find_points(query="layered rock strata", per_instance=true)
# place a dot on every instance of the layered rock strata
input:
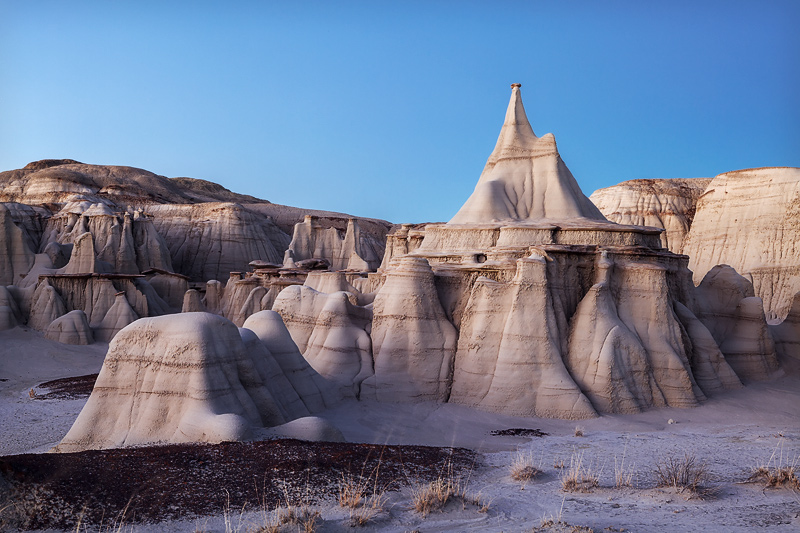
(661, 203)
(186, 378)
(750, 220)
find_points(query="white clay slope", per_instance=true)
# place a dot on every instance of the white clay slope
(525, 178)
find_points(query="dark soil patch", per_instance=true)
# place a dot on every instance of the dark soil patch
(67, 388)
(518, 432)
(185, 480)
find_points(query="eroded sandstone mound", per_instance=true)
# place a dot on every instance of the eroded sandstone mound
(660, 203)
(750, 220)
(189, 377)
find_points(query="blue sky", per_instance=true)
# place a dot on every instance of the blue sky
(390, 109)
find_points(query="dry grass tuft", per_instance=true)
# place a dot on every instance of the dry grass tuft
(579, 477)
(684, 474)
(524, 469)
(435, 495)
(623, 475)
(779, 472)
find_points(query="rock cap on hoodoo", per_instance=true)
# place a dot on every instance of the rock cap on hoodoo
(525, 178)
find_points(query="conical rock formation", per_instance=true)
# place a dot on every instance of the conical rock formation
(525, 178)
(413, 342)
(71, 328)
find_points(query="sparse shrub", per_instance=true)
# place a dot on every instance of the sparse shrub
(351, 491)
(435, 495)
(372, 507)
(579, 477)
(684, 474)
(523, 468)
(778, 472)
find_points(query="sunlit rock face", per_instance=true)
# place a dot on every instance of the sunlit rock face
(750, 220)
(525, 178)
(662, 203)
(191, 377)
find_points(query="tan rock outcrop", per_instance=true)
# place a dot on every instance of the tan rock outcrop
(330, 330)
(16, 256)
(736, 320)
(659, 203)
(524, 178)
(10, 314)
(413, 342)
(192, 302)
(787, 333)
(71, 328)
(750, 220)
(209, 241)
(181, 378)
(503, 363)
(119, 315)
(316, 392)
(46, 306)
(345, 251)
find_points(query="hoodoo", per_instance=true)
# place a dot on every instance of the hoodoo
(558, 311)
(525, 178)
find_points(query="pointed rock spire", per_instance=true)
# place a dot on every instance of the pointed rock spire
(525, 178)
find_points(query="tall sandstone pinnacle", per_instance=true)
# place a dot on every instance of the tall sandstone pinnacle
(525, 178)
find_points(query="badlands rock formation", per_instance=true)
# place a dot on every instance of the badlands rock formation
(747, 219)
(524, 178)
(660, 203)
(557, 312)
(750, 220)
(191, 377)
(73, 235)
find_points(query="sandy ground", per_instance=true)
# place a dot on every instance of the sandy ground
(731, 433)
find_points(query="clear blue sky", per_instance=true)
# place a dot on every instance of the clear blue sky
(390, 109)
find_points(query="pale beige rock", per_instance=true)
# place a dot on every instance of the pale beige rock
(787, 333)
(16, 256)
(71, 328)
(504, 363)
(170, 287)
(208, 241)
(413, 342)
(524, 178)
(316, 392)
(46, 306)
(213, 298)
(83, 259)
(628, 348)
(660, 203)
(736, 319)
(192, 302)
(348, 251)
(182, 378)
(750, 220)
(709, 367)
(10, 314)
(119, 315)
(330, 332)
